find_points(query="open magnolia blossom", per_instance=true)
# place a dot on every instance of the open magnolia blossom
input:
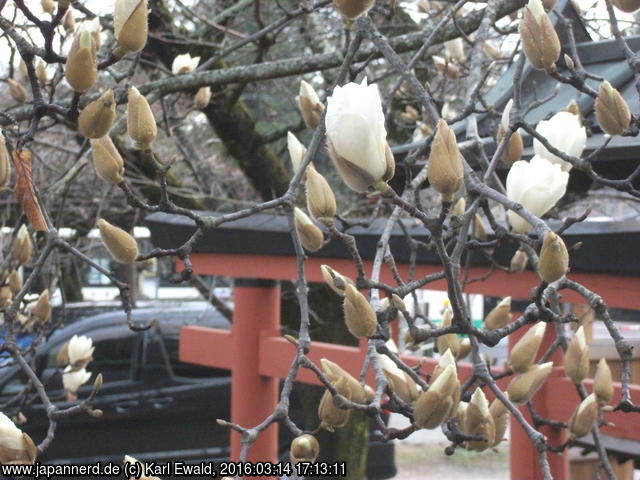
(184, 64)
(563, 131)
(537, 185)
(16, 447)
(356, 135)
(80, 349)
(74, 379)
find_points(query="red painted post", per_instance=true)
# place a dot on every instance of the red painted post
(253, 397)
(523, 458)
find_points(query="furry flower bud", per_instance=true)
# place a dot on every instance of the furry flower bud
(107, 160)
(5, 164)
(310, 105)
(297, 152)
(15, 282)
(500, 315)
(402, 385)
(603, 383)
(519, 262)
(334, 372)
(478, 421)
(352, 9)
(336, 281)
(304, 448)
(122, 246)
(584, 418)
(627, 5)
(331, 416)
(554, 258)
(359, 315)
(576, 360)
(141, 124)
(500, 415)
(202, 98)
(321, 202)
(612, 110)
(130, 24)
(448, 341)
(523, 387)
(48, 6)
(96, 119)
(22, 246)
(17, 91)
(524, 352)
(42, 308)
(81, 70)
(440, 402)
(41, 73)
(444, 171)
(445, 360)
(310, 235)
(539, 39)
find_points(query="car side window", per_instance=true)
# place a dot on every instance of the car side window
(189, 370)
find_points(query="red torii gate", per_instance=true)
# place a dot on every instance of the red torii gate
(258, 356)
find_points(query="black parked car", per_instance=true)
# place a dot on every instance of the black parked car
(155, 408)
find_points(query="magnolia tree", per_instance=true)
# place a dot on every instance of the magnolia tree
(120, 87)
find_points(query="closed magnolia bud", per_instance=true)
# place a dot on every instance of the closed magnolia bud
(22, 246)
(440, 402)
(16, 447)
(500, 315)
(525, 350)
(402, 385)
(330, 415)
(297, 151)
(310, 105)
(63, 355)
(107, 160)
(24, 72)
(336, 281)
(17, 91)
(6, 297)
(5, 165)
(42, 309)
(444, 361)
(523, 387)
(539, 39)
(130, 24)
(320, 199)
(584, 418)
(69, 22)
(500, 415)
(491, 51)
(478, 421)
(448, 68)
(398, 303)
(15, 282)
(445, 165)
(141, 124)
(122, 246)
(352, 9)
(359, 315)
(304, 448)
(96, 119)
(576, 359)
(202, 98)
(514, 148)
(459, 207)
(554, 258)
(465, 348)
(81, 70)
(48, 6)
(519, 262)
(603, 383)
(41, 73)
(410, 114)
(448, 341)
(612, 110)
(627, 5)
(310, 236)
(479, 230)
(573, 108)
(334, 372)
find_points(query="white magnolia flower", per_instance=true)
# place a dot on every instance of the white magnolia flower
(72, 380)
(184, 64)
(357, 137)
(565, 133)
(537, 186)
(454, 49)
(80, 349)
(10, 435)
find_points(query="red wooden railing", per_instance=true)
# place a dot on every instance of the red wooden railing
(258, 356)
